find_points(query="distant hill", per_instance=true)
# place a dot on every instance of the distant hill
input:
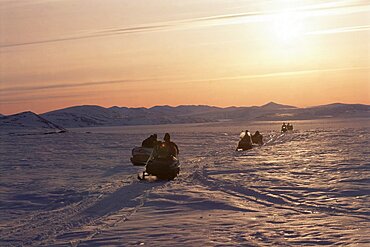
(27, 122)
(275, 106)
(90, 115)
(86, 116)
(94, 116)
(336, 110)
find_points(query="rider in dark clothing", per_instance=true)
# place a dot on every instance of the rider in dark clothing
(174, 149)
(284, 128)
(257, 138)
(147, 142)
(166, 149)
(150, 142)
(246, 142)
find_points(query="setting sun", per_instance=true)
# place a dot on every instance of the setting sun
(288, 27)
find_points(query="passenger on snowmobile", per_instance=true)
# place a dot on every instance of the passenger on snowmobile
(150, 142)
(257, 138)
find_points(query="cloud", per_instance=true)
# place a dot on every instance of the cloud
(18, 90)
(30, 99)
(105, 33)
(64, 85)
(331, 8)
(278, 74)
(340, 30)
(7, 4)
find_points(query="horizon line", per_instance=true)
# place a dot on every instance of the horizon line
(174, 106)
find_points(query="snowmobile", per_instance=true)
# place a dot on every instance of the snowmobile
(164, 169)
(243, 145)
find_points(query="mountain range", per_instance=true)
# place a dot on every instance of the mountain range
(93, 116)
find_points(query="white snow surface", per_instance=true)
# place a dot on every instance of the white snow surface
(303, 188)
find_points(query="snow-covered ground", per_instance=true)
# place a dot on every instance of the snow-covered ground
(309, 187)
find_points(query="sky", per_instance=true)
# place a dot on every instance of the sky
(141, 53)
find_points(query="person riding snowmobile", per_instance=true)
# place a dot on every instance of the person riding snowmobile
(257, 138)
(284, 128)
(166, 149)
(246, 142)
(163, 162)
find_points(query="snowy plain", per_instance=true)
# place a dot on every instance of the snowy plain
(309, 187)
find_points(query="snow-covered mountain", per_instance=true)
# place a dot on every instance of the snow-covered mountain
(336, 110)
(27, 122)
(276, 106)
(247, 113)
(339, 110)
(90, 115)
(85, 116)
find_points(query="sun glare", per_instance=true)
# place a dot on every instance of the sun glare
(287, 27)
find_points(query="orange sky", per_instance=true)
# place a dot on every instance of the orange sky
(59, 53)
